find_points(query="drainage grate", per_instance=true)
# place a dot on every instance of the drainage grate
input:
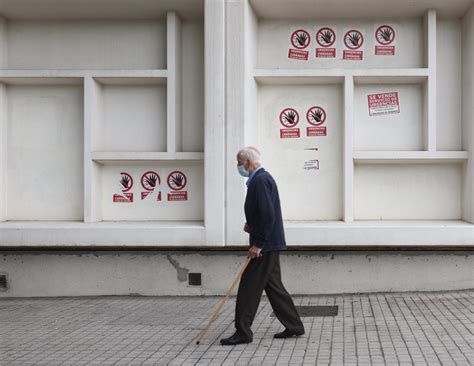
(313, 311)
(3, 281)
(194, 279)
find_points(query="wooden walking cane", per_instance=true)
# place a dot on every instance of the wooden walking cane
(223, 301)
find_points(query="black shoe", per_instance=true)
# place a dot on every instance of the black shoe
(233, 340)
(286, 334)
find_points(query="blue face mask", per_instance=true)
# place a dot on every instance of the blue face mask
(242, 171)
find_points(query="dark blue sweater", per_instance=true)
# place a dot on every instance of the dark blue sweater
(263, 213)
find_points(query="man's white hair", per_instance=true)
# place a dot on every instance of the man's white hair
(249, 153)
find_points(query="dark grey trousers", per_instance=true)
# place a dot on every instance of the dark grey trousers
(264, 273)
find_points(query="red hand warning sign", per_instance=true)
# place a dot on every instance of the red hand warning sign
(126, 184)
(325, 37)
(383, 103)
(300, 40)
(150, 180)
(289, 118)
(177, 181)
(316, 116)
(353, 40)
(385, 36)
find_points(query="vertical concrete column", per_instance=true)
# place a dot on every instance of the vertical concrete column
(3, 43)
(174, 85)
(214, 121)
(3, 122)
(92, 115)
(235, 116)
(468, 114)
(3, 152)
(429, 129)
(348, 149)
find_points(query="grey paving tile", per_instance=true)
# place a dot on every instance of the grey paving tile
(370, 329)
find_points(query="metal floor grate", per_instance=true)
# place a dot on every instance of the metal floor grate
(316, 310)
(3, 281)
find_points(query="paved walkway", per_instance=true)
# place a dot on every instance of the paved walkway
(374, 329)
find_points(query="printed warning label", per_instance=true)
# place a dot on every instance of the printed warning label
(300, 40)
(126, 184)
(146, 194)
(352, 55)
(353, 40)
(316, 131)
(316, 115)
(178, 196)
(383, 103)
(311, 165)
(325, 52)
(385, 50)
(289, 118)
(298, 54)
(385, 37)
(325, 37)
(125, 197)
(150, 180)
(289, 133)
(177, 181)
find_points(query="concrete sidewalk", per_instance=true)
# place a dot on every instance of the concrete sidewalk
(370, 329)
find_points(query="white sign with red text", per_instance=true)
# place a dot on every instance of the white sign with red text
(383, 103)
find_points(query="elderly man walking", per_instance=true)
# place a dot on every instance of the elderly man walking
(267, 238)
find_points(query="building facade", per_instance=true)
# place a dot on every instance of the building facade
(119, 127)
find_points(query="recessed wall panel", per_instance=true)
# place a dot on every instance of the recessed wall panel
(407, 192)
(307, 169)
(381, 123)
(88, 44)
(45, 152)
(274, 41)
(143, 191)
(134, 118)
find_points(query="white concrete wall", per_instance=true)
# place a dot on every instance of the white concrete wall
(193, 82)
(409, 192)
(149, 208)
(45, 156)
(307, 195)
(187, 89)
(274, 41)
(165, 273)
(449, 77)
(134, 118)
(398, 131)
(86, 45)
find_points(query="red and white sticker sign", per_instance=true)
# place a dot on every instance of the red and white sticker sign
(289, 118)
(177, 181)
(126, 184)
(300, 40)
(316, 131)
(353, 40)
(385, 37)
(150, 181)
(325, 37)
(316, 116)
(383, 103)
